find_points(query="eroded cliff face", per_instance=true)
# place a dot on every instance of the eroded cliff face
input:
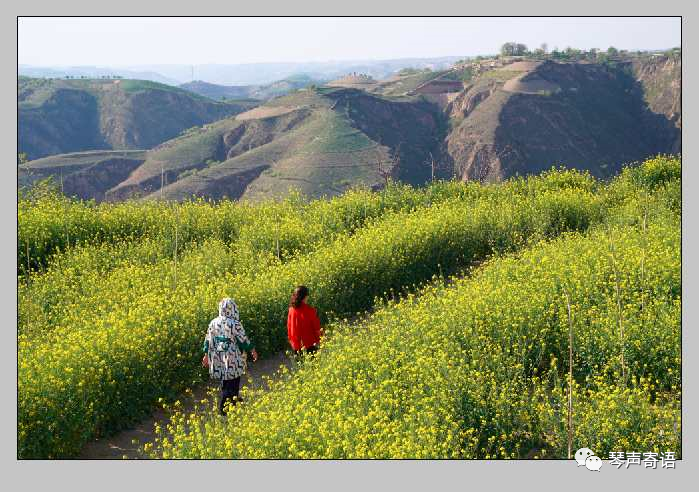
(660, 78)
(588, 116)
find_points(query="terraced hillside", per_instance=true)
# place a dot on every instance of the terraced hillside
(61, 116)
(320, 141)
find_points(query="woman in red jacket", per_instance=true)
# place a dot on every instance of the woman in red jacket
(303, 325)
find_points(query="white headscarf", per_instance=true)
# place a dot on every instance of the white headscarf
(227, 308)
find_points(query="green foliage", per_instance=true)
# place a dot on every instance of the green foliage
(513, 49)
(50, 223)
(120, 293)
(120, 321)
(478, 369)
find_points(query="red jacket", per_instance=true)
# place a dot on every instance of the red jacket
(303, 326)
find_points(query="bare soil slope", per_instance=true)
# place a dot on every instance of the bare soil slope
(586, 116)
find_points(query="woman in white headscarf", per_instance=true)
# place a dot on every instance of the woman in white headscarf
(224, 345)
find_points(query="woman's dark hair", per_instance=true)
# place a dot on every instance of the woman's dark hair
(300, 293)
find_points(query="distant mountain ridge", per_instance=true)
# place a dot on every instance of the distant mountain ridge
(246, 73)
(92, 73)
(260, 92)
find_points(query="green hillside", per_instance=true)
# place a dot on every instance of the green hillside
(70, 115)
(320, 141)
(257, 92)
(67, 170)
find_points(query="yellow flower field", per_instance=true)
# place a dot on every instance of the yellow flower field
(113, 321)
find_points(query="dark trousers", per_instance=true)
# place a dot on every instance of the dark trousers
(229, 391)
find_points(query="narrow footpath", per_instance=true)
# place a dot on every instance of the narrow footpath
(121, 445)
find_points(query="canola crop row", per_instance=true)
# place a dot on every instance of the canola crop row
(479, 369)
(275, 233)
(138, 338)
(50, 225)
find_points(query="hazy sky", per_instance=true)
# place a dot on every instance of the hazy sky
(142, 41)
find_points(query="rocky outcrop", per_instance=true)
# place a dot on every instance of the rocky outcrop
(470, 98)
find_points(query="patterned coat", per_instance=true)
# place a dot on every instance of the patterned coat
(225, 341)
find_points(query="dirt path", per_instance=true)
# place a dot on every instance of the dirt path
(120, 445)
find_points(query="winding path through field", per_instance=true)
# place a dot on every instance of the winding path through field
(120, 445)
